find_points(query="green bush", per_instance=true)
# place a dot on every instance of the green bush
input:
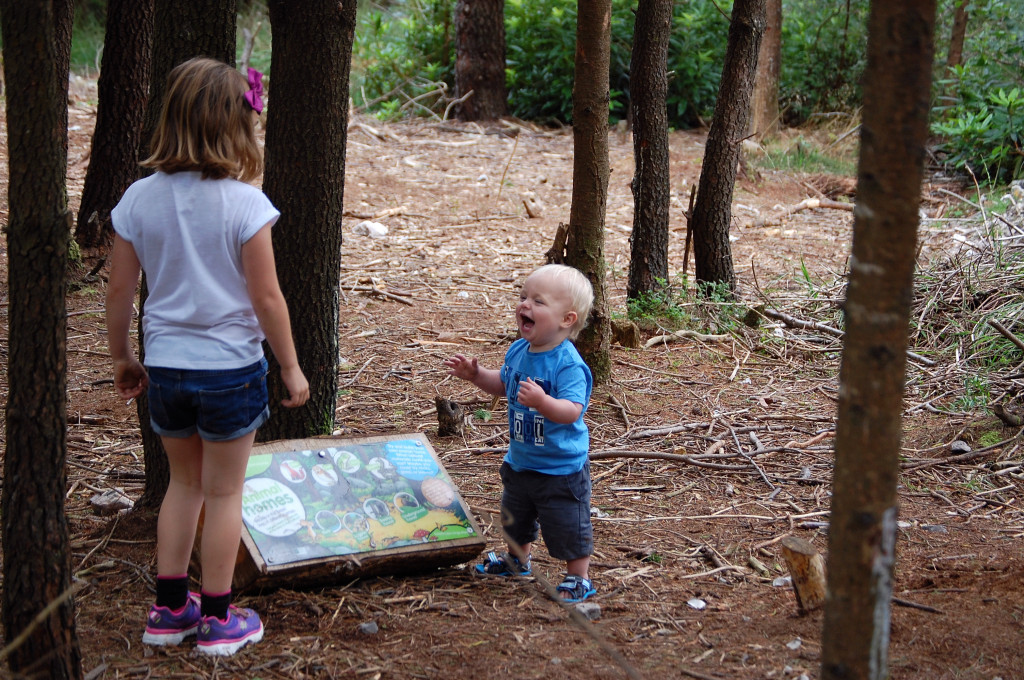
(824, 49)
(978, 116)
(404, 50)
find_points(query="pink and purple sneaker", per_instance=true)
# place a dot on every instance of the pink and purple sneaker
(171, 626)
(224, 637)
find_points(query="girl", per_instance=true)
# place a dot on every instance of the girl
(202, 236)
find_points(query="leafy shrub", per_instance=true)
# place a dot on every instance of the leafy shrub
(404, 50)
(824, 50)
(979, 110)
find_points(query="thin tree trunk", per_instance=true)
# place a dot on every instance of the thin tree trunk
(37, 553)
(585, 240)
(305, 167)
(648, 78)
(712, 212)
(764, 107)
(123, 89)
(480, 59)
(862, 534)
(955, 55)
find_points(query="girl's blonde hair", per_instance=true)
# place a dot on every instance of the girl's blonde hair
(206, 124)
(578, 288)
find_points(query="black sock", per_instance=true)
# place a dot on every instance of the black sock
(171, 591)
(215, 605)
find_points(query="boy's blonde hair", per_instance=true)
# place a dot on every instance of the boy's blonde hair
(206, 124)
(577, 285)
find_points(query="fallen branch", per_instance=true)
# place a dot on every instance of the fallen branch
(677, 335)
(794, 322)
(806, 204)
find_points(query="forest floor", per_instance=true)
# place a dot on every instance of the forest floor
(688, 565)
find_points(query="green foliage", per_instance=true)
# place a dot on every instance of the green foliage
(87, 37)
(804, 155)
(403, 57)
(979, 109)
(824, 50)
(406, 51)
(707, 308)
(986, 136)
(482, 414)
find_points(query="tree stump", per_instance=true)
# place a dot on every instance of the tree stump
(450, 418)
(807, 569)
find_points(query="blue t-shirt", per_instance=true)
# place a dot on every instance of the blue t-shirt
(536, 443)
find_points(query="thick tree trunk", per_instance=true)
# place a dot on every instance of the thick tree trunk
(764, 107)
(123, 89)
(862, 534)
(182, 29)
(480, 59)
(305, 167)
(712, 212)
(584, 248)
(37, 564)
(648, 79)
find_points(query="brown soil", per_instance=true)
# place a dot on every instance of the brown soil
(459, 243)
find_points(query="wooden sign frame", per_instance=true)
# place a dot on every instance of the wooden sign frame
(326, 510)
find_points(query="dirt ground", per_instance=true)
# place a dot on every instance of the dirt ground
(687, 561)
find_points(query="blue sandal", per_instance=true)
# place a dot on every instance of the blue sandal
(503, 565)
(577, 588)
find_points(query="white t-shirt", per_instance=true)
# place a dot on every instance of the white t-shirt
(188, 234)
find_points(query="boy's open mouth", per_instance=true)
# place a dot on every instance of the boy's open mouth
(526, 322)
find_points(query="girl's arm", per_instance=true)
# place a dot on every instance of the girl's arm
(272, 312)
(130, 377)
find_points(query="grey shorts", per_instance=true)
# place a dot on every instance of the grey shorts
(556, 505)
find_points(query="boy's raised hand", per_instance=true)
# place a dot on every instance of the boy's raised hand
(530, 393)
(462, 367)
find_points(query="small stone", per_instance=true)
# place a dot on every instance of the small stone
(369, 628)
(109, 502)
(591, 610)
(935, 528)
(959, 446)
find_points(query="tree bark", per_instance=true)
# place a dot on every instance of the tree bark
(305, 167)
(584, 248)
(182, 29)
(480, 59)
(764, 108)
(712, 212)
(862, 532)
(648, 78)
(955, 55)
(123, 89)
(37, 564)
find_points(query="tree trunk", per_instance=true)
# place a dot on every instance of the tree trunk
(480, 59)
(712, 212)
(123, 86)
(764, 108)
(182, 29)
(862, 534)
(648, 90)
(955, 55)
(584, 247)
(37, 564)
(305, 167)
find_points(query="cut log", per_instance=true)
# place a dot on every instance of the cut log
(807, 569)
(451, 421)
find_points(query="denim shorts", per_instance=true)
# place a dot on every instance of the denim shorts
(219, 405)
(557, 505)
